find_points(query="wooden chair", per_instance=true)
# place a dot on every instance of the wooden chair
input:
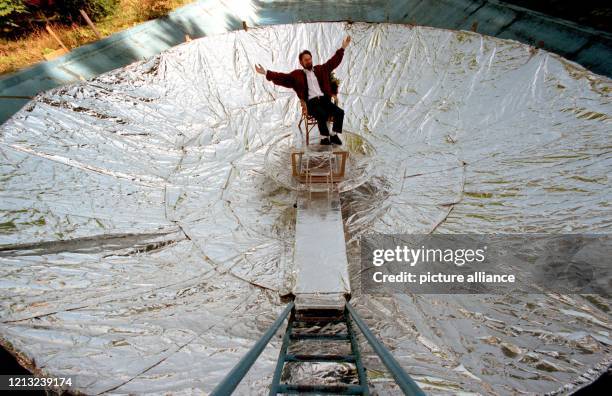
(308, 120)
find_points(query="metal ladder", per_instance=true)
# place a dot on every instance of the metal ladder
(349, 316)
(348, 336)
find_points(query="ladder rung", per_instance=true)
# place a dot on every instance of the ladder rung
(342, 389)
(320, 358)
(319, 320)
(315, 336)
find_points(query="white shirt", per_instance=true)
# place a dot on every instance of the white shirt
(313, 84)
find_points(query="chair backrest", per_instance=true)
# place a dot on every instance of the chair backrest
(304, 107)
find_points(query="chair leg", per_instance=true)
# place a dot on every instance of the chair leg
(300, 127)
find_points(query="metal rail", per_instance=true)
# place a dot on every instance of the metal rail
(407, 384)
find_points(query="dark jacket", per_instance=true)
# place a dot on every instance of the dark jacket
(297, 78)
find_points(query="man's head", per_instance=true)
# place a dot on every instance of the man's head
(306, 59)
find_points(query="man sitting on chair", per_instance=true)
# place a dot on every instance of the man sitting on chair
(312, 84)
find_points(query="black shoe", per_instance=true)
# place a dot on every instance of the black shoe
(325, 142)
(336, 140)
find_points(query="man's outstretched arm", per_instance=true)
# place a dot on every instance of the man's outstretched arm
(335, 60)
(282, 79)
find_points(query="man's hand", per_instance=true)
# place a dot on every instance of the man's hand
(260, 69)
(346, 41)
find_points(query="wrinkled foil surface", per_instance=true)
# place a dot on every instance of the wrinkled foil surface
(144, 246)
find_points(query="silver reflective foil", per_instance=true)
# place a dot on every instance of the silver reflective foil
(144, 245)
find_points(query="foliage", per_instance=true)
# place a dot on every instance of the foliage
(8, 7)
(95, 9)
(150, 9)
(18, 17)
(26, 41)
(11, 11)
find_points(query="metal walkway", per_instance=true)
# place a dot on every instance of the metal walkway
(320, 265)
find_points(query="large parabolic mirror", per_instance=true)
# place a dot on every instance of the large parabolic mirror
(143, 246)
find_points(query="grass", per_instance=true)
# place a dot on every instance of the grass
(28, 50)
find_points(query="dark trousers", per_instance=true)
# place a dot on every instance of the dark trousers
(321, 108)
